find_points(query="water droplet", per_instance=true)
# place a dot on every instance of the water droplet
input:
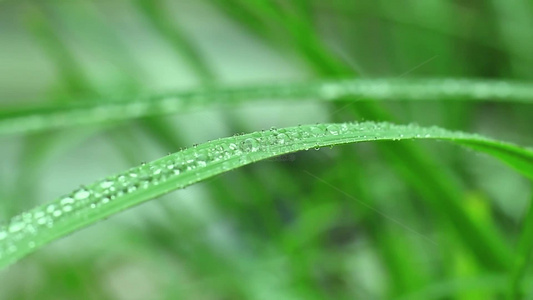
(16, 226)
(38, 215)
(282, 138)
(3, 235)
(66, 201)
(333, 129)
(316, 130)
(57, 213)
(50, 208)
(106, 184)
(81, 194)
(250, 145)
(146, 182)
(67, 208)
(201, 159)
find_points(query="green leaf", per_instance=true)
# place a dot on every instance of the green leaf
(31, 230)
(97, 111)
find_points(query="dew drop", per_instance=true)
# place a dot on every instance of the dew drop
(106, 184)
(81, 194)
(317, 131)
(66, 201)
(202, 159)
(67, 208)
(250, 145)
(38, 215)
(16, 226)
(333, 129)
(50, 208)
(57, 213)
(282, 138)
(146, 183)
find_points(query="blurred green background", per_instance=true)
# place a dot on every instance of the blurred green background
(362, 221)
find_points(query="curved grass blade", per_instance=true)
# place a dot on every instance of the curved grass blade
(45, 117)
(31, 230)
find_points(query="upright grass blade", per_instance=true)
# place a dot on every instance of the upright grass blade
(522, 257)
(31, 230)
(52, 116)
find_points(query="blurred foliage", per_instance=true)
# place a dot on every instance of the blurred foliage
(286, 228)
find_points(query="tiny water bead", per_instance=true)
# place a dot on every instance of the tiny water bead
(16, 226)
(67, 200)
(333, 129)
(250, 145)
(51, 208)
(38, 214)
(81, 194)
(106, 184)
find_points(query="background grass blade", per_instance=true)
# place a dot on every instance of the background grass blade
(30, 230)
(522, 257)
(38, 118)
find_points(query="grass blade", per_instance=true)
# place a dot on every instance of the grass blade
(53, 116)
(31, 230)
(522, 256)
